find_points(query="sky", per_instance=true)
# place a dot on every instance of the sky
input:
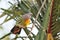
(9, 25)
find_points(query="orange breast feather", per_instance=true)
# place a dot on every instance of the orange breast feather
(27, 22)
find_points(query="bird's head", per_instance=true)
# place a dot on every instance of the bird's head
(27, 16)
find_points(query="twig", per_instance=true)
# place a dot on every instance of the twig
(5, 36)
(24, 37)
(40, 9)
(38, 13)
(15, 37)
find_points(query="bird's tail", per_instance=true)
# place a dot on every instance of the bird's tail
(16, 30)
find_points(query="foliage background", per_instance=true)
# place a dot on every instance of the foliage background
(40, 18)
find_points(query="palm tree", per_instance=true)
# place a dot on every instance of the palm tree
(45, 13)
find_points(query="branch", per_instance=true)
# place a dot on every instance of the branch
(24, 37)
(5, 36)
(39, 13)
